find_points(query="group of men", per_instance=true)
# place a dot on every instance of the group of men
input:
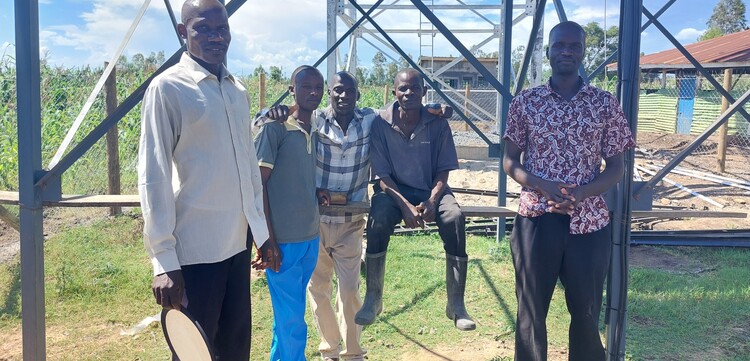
(209, 191)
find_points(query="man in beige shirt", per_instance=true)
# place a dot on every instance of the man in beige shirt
(196, 124)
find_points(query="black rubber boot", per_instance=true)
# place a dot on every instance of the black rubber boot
(455, 283)
(373, 304)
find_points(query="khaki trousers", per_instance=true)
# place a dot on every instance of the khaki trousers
(340, 250)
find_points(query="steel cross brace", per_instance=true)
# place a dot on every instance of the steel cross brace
(126, 106)
(616, 52)
(494, 147)
(538, 14)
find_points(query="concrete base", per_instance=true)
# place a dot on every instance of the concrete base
(473, 152)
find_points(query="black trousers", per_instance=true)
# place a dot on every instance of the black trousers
(219, 299)
(543, 251)
(385, 215)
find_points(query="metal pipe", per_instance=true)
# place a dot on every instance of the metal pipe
(682, 187)
(704, 177)
(628, 92)
(504, 105)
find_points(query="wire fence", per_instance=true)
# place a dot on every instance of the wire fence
(674, 110)
(669, 119)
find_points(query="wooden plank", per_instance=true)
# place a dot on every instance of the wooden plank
(7, 197)
(132, 200)
(106, 200)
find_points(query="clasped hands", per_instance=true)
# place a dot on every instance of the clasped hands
(562, 198)
(417, 216)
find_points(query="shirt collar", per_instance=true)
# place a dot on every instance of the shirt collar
(198, 73)
(387, 114)
(586, 89)
(292, 124)
(330, 118)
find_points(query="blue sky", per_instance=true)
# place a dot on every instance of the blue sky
(78, 32)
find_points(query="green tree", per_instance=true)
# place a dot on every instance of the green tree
(379, 71)
(728, 17)
(276, 73)
(599, 45)
(711, 33)
(258, 71)
(393, 69)
(361, 75)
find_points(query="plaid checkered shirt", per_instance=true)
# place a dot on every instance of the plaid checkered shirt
(343, 163)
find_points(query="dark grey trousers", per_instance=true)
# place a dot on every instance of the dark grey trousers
(543, 251)
(385, 215)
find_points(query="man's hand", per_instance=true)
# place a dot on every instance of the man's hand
(412, 216)
(279, 113)
(440, 110)
(324, 196)
(169, 289)
(268, 256)
(427, 210)
(569, 201)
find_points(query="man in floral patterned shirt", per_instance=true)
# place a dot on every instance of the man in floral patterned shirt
(564, 129)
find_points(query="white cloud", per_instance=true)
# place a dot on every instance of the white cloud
(689, 35)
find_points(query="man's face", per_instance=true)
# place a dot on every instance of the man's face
(409, 90)
(207, 35)
(566, 50)
(343, 94)
(308, 89)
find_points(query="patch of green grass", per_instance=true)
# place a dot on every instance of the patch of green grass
(98, 283)
(696, 316)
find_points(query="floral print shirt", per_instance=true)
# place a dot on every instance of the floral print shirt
(565, 141)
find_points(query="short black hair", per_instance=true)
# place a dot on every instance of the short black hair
(569, 25)
(300, 69)
(409, 71)
(346, 74)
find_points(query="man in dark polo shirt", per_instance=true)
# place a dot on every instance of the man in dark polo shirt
(411, 154)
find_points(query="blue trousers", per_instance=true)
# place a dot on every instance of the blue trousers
(288, 289)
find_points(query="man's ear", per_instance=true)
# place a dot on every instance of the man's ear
(291, 89)
(393, 92)
(546, 51)
(358, 95)
(182, 30)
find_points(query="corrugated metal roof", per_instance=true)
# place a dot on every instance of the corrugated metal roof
(728, 51)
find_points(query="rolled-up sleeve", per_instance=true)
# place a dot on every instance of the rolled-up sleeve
(158, 138)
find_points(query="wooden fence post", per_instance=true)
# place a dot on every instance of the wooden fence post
(467, 93)
(385, 95)
(722, 146)
(113, 148)
(262, 90)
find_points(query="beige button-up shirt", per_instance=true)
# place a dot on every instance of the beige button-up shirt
(196, 129)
